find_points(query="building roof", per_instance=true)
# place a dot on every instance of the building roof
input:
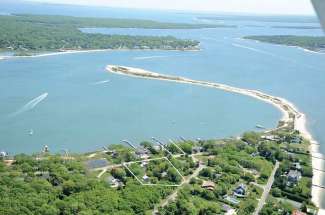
(208, 184)
(294, 175)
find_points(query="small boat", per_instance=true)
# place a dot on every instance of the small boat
(260, 127)
(31, 132)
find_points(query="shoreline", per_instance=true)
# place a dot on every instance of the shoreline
(291, 116)
(90, 51)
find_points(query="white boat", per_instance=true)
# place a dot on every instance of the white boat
(31, 132)
(260, 126)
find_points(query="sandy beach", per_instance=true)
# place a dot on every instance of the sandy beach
(88, 51)
(291, 115)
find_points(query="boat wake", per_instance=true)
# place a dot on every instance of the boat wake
(253, 49)
(100, 82)
(30, 105)
(151, 57)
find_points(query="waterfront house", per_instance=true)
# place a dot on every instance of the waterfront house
(271, 138)
(295, 140)
(197, 149)
(3, 154)
(142, 154)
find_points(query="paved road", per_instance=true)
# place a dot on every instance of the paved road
(267, 189)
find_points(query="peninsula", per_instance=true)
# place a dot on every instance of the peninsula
(29, 34)
(311, 43)
(292, 120)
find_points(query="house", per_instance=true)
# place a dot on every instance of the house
(209, 185)
(145, 178)
(296, 166)
(294, 176)
(228, 210)
(144, 164)
(114, 182)
(240, 191)
(295, 140)
(254, 154)
(311, 211)
(157, 148)
(271, 138)
(197, 149)
(42, 174)
(164, 174)
(297, 212)
(3, 154)
(142, 153)
(231, 199)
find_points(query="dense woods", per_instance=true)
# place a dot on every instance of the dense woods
(306, 42)
(54, 186)
(26, 34)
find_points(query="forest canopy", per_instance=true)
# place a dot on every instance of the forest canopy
(35, 33)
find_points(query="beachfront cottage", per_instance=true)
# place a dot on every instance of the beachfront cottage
(142, 154)
(209, 185)
(271, 138)
(3, 154)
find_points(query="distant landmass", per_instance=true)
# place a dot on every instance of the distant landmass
(26, 34)
(307, 42)
(297, 27)
(286, 19)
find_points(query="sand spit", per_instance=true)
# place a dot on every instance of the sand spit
(291, 115)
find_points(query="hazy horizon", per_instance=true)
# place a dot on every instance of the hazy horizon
(254, 7)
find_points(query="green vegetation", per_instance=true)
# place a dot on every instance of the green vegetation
(55, 186)
(306, 42)
(218, 175)
(26, 34)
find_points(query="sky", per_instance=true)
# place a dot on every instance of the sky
(299, 7)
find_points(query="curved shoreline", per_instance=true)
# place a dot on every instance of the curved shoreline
(47, 54)
(291, 118)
